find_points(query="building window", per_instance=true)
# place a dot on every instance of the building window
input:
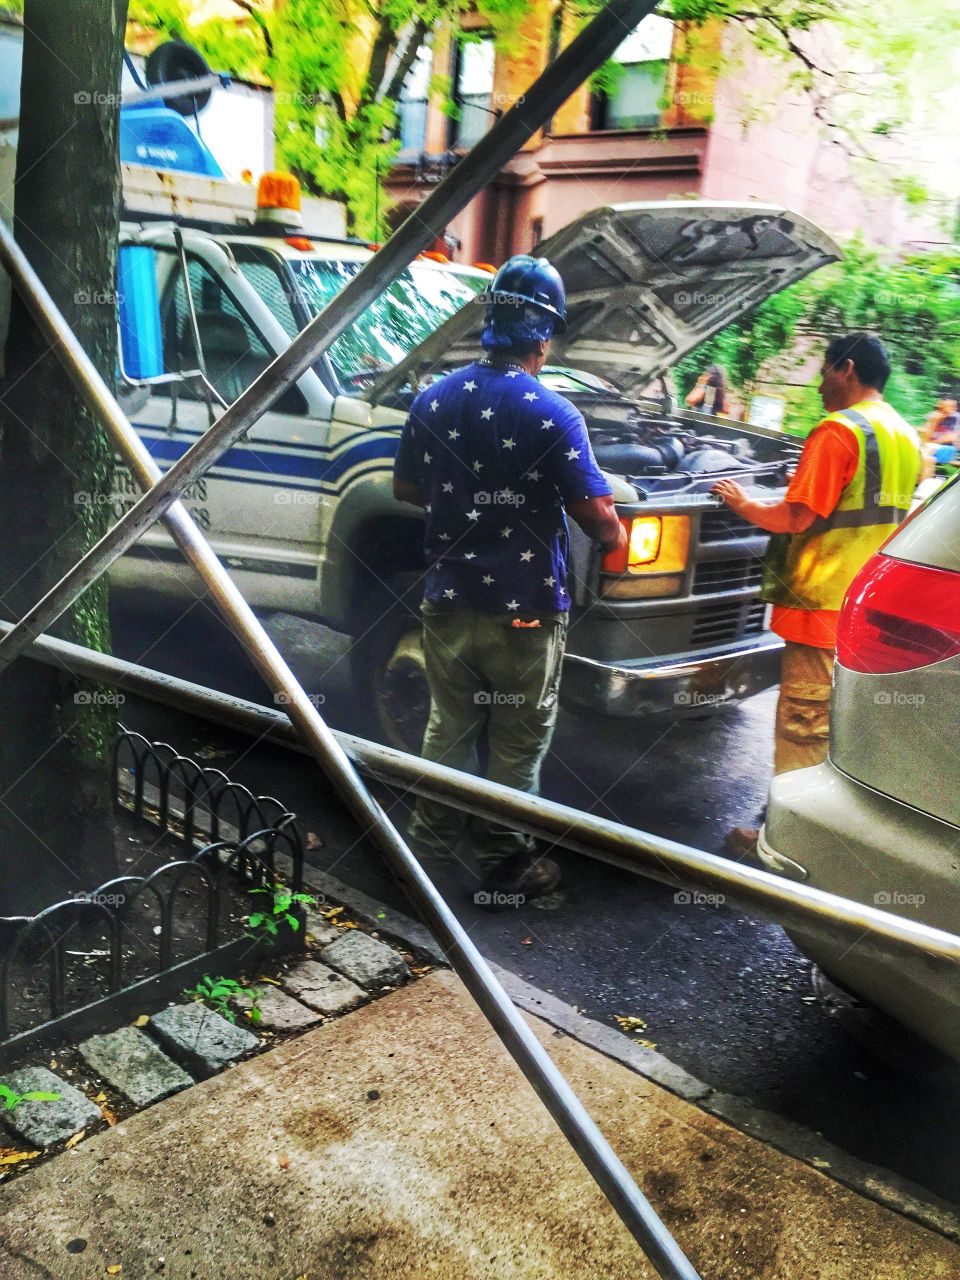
(413, 103)
(473, 87)
(643, 58)
(536, 232)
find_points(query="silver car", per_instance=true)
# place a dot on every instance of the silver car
(879, 822)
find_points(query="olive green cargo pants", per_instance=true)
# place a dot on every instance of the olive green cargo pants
(493, 706)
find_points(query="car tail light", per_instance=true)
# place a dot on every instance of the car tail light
(898, 616)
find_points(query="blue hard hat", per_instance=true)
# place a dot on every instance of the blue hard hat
(525, 303)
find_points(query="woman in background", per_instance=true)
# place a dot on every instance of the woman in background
(710, 393)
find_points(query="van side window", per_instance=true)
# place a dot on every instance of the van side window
(269, 284)
(233, 352)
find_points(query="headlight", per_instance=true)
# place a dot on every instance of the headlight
(653, 561)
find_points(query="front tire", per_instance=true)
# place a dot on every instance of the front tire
(388, 667)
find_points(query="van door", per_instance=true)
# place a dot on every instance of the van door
(262, 504)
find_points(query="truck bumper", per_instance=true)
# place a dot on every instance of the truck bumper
(675, 685)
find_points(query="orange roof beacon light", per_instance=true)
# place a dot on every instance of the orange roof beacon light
(278, 199)
(434, 257)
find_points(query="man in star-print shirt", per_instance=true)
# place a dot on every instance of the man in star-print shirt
(495, 459)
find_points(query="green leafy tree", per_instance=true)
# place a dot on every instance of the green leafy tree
(872, 72)
(913, 306)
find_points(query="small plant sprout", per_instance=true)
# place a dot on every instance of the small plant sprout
(12, 1099)
(263, 924)
(216, 994)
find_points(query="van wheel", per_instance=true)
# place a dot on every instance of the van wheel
(402, 695)
(387, 665)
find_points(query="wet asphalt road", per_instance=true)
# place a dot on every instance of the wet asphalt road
(726, 996)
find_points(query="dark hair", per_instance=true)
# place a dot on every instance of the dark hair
(517, 350)
(717, 378)
(871, 363)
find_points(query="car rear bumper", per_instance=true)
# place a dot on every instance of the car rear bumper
(673, 685)
(834, 833)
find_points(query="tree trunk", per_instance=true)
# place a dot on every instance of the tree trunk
(55, 459)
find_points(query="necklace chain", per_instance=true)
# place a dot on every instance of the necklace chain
(502, 364)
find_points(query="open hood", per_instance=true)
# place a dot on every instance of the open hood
(646, 283)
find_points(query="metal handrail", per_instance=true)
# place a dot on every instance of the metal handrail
(640, 852)
(161, 501)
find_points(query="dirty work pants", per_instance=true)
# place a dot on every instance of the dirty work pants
(493, 691)
(802, 731)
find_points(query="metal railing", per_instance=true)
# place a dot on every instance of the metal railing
(139, 921)
(161, 500)
(788, 902)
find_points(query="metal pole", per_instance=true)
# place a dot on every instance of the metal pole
(587, 52)
(569, 1113)
(639, 852)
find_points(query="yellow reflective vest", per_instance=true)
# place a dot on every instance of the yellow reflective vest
(813, 569)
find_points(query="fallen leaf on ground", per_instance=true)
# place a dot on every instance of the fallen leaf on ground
(630, 1024)
(101, 1097)
(9, 1156)
(526, 942)
(273, 982)
(314, 841)
(72, 1142)
(329, 912)
(53, 1064)
(108, 1115)
(115, 1269)
(284, 1162)
(142, 1020)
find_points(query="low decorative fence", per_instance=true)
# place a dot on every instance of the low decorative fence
(203, 845)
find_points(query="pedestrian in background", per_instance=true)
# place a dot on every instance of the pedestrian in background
(852, 487)
(709, 394)
(495, 458)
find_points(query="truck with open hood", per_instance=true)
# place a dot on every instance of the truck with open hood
(301, 510)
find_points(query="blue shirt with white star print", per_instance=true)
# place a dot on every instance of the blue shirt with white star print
(496, 456)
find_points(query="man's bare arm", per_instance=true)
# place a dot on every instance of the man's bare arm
(404, 491)
(774, 517)
(598, 518)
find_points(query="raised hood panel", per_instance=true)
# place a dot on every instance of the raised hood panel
(646, 283)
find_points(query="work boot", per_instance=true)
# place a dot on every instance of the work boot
(742, 841)
(518, 879)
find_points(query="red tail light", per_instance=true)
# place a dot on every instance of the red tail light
(898, 616)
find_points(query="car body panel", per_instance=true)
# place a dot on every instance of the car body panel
(849, 839)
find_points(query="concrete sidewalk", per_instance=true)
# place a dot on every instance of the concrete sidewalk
(400, 1142)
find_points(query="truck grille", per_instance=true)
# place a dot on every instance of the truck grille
(723, 526)
(726, 575)
(723, 623)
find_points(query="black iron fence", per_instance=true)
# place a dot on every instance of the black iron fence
(83, 963)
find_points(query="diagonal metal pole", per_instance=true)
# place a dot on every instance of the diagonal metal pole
(581, 57)
(569, 1113)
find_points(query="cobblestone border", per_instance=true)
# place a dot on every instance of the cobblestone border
(871, 1181)
(135, 1065)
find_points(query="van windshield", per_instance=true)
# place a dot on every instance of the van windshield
(406, 313)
